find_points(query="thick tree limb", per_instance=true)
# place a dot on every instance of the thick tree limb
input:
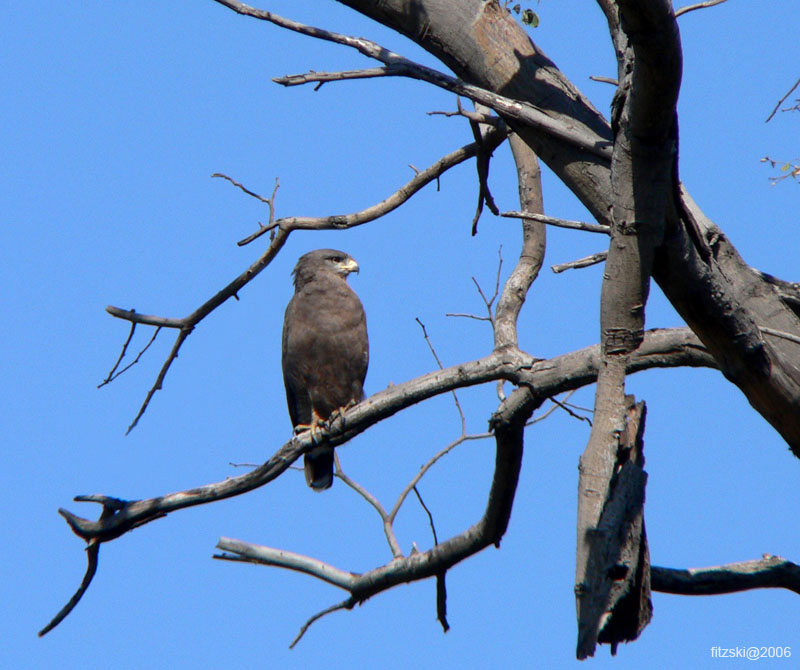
(621, 534)
(726, 303)
(648, 50)
(515, 290)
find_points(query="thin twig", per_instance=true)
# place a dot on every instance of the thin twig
(570, 412)
(443, 452)
(344, 605)
(550, 410)
(560, 223)
(267, 201)
(270, 202)
(699, 5)
(441, 367)
(388, 530)
(477, 117)
(158, 385)
(486, 302)
(428, 512)
(111, 375)
(780, 102)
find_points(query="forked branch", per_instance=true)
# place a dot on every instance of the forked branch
(508, 425)
(284, 227)
(397, 65)
(539, 380)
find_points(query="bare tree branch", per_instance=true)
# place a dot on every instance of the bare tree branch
(605, 80)
(560, 223)
(344, 605)
(508, 425)
(428, 513)
(718, 298)
(531, 257)
(541, 379)
(92, 556)
(461, 416)
(476, 116)
(558, 404)
(538, 380)
(284, 227)
(186, 325)
(386, 519)
(584, 262)
(441, 601)
(114, 374)
(699, 5)
(482, 161)
(324, 77)
(253, 553)
(428, 465)
(400, 66)
(422, 178)
(267, 201)
(767, 572)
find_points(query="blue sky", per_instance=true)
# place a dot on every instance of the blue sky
(115, 115)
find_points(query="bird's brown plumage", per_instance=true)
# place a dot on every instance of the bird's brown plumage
(325, 350)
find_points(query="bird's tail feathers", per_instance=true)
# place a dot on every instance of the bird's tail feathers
(318, 465)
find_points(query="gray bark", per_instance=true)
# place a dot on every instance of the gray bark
(721, 298)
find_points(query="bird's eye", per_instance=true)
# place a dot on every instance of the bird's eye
(336, 259)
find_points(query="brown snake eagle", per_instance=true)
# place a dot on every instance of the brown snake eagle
(325, 351)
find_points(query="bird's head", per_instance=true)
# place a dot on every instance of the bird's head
(323, 261)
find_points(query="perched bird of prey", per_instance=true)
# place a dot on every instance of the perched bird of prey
(325, 351)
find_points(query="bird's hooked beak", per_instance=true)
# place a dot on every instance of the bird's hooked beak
(349, 266)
